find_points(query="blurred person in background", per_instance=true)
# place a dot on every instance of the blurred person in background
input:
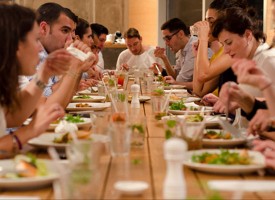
(136, 55)
(100, 33)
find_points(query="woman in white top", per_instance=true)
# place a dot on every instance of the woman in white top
(18, 56)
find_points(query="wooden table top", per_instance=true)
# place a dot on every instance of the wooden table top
(148, 164)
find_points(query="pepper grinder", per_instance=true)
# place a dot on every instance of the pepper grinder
(174, 186)
(135, 100)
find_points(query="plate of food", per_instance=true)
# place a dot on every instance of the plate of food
(176, 98)
(225, 161)
(141, 98)
(169, 86)
(79, 121)
(173, 91)
(60, 141)
(88, 98)
(181, 108)
(26, 172)
(220, 138)
(87, 106)
(209, 120)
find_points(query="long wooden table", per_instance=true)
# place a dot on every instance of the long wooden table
(151, 167)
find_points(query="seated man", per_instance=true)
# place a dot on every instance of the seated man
(137, 55)
(177, 38)
(99, 35)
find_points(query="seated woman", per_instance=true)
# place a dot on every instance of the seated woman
(213, 73)
(239, 32)
(18, 56)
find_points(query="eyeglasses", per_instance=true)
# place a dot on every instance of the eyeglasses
(167, 38)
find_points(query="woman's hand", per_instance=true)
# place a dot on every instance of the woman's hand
(169, 79)
(209, 99)
(44, 116)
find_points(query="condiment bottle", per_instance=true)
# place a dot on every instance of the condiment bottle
(135, 100)
(174, 186)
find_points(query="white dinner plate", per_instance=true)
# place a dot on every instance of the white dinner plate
(87, 122)
(90, 99)
(87, 92)
(131, 187)
(207, 109)
(224, 142)
(94, 106)
(168, 87)
(258, 163)
(46, 140)
(27, 182)
(180, 91)
(242, 185)
(185, 99)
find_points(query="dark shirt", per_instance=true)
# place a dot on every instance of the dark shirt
(226, 76)
(257, 105)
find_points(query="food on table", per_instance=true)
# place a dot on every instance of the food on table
(65, 127)
(66, 137)
(70, 118)
(159, 78)
(194, 118)
(175, 97)
(27, 166)
(225, 157)
(82, 105)
(181, 106)
(159, 115)
(83, 97)
(215, 134)
(158, 92)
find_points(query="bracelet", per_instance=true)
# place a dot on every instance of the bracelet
(266, 86)
(39, 83)
(17, 145)
(73, 75)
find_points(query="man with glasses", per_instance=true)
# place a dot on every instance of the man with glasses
(177, 37)
(136, 54)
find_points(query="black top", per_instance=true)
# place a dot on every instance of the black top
(226, 76)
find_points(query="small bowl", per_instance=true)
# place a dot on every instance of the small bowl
(131, 187)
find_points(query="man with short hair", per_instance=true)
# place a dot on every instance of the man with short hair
(177, 37)
(57, 25)
(100, 33)
(136, 54)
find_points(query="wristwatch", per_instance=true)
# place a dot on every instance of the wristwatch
(39, 83)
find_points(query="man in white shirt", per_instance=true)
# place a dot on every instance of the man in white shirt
(137, 55)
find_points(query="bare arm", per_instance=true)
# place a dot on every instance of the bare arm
(159, 52)
(45, 115)
(209, 70)
(56, 63)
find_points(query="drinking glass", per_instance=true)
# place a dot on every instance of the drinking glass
(193, 133)
(120, 138)
(159, 109)
(81, 179)
(138, 127)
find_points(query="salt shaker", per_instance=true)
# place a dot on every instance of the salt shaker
(174, 186)
(135, 100)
